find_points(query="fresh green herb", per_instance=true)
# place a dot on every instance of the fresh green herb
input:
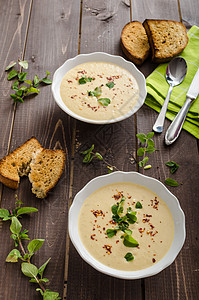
(123, 223)
(129, 256)
(21, 90)
(110, 85)
(96, 93)
(89, 155)
(84, 79)
(111, 232)
(148, 148)
(138, 205)
(27, 268)
(171, 182)
(129, 241)
(173, 166)
(104, 101)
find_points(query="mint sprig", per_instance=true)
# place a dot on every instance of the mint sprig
(123, 223)
(148, 148)
(22, 91)
(18, 235)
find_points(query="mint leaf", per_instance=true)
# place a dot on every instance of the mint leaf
(141, 137)
(42, 268)
(36, 80)
(29, 270)
(110, 85)
(11, 64)
(138, 205)
(49, 295)
(35, 245)
(111, 232)
(104, 101)
(46, 81)
(13, 256)
(140, 151)
(96, 93)
(32, 90)
(173, 166)
(12, 74)
(4, 214)
(24, 64)
(150, 142)
(22, 76)
(128, 231)
(28, 82)
(89, 150)
(15, 85)
(150, 149)
(129, 241)
(129, 256)
(84, 79)
(143, 162)
(26, 210)
(15, 226)
(171, 182)
(131, 217)
(99, 156)
(150, 135)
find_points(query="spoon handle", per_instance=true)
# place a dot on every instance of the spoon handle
(159, 123)
(174, 129)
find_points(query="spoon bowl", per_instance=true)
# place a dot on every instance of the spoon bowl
(175, 74)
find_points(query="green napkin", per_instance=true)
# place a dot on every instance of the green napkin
(157, 87)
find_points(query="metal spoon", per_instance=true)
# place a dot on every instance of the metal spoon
(175, 74)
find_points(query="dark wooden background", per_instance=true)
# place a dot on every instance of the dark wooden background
(46, 33)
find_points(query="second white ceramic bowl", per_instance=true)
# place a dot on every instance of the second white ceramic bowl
(145, 181)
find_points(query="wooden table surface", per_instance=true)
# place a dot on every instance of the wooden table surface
(47, 33)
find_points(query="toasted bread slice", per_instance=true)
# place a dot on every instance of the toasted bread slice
(167, 38)
(46, 169)
(134, 42)
(17, 163)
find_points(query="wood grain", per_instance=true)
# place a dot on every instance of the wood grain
(102, 23)
(51, 39)
(174, 282)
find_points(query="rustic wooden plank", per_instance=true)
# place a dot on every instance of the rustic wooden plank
(52, 38)
(116, 142)
(13, 22)
(179, 281)
(189, 12)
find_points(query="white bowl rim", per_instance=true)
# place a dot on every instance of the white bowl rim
(179, 235)
(119, 60)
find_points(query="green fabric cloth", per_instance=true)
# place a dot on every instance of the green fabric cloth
(157, 87)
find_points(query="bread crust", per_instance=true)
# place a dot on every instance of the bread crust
(134, 42)
(14, 163)
(167, 38)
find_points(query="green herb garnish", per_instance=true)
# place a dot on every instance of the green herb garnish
(84, 79)
(18, 235)
(148, 148)
(22, 90)
(123, 223)
(129, 256)
(110, 85)
(104, 101)
(96, 93)
(138, 205)
(173, 166)
(129, 241)
(171, 182)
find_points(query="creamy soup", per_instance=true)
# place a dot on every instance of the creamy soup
(99, 91)
(153, 230)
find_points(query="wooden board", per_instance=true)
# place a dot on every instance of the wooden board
(49, 44)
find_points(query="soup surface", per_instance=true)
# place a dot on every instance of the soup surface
(99, 90)
(153, 230)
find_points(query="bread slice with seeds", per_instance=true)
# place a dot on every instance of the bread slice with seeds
(167, 39)
(45, 170)
(17, 163)
(134, 42)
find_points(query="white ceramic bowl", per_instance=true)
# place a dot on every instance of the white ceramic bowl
(148, 182)
(98, 56)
